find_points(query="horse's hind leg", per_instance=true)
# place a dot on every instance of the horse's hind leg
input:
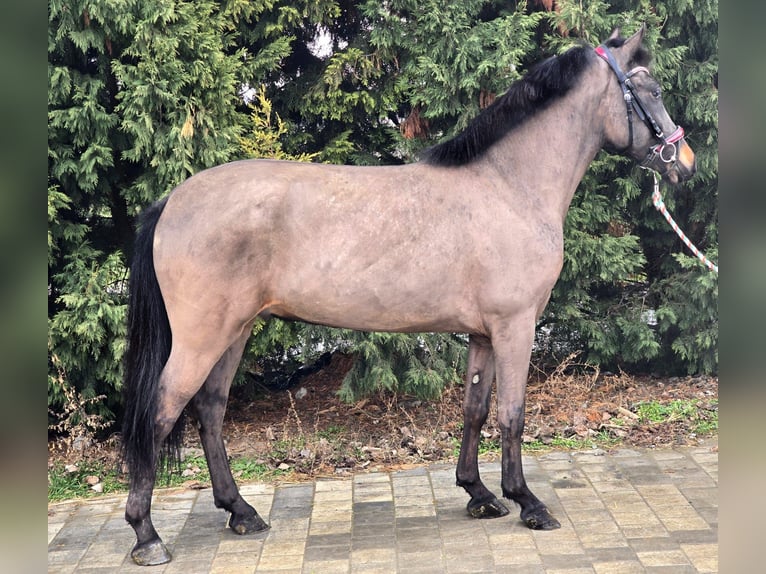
(183, 375)
(478, 388)
(209, 406)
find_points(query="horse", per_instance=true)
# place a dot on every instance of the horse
(468, 239)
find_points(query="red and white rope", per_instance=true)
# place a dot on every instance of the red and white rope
(660, 205)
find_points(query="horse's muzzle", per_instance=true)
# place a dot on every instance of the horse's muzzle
(683, 166)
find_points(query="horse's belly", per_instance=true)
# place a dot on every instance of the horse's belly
(386, 304)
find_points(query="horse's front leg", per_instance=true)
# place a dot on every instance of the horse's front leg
(478, 387)
(209, 406)
(512, 353)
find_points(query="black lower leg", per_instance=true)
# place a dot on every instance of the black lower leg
(533, 512)
(244, 519)
(149, 549)
(209, 405)
(479, 375)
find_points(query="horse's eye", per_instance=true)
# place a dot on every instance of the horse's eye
(656, 93)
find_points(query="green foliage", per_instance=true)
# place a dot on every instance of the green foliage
(86, 337)
(416, 364)
(278, 349)
(140, 95)
(67, 484)
(263, 141)
(446, 54)
(702, 418)
(655, 412)
(61, 233)
(602, 439)
(687, 318)
(629, 296)
(143, 94)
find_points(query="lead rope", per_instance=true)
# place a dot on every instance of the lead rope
(660, 205)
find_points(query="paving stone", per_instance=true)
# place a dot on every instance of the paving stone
(327, 566)
(663, 558)
(704, 557)
(327, 553)
(373, 556)
(322, 527)
(628, 511)
(677, 569)
(519, 569)
(709, 536)
(373, 541)
(566, 561)
(518, 557)
(418, 560)
(618, 567)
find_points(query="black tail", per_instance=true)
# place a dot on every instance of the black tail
(149, 341)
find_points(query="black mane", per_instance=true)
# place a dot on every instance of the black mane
(544, 83)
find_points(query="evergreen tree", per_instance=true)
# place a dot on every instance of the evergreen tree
(141, 94)
(630, 295)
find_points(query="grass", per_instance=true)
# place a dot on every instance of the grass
(601, 439)
(701, 420)
(65, 485)
(305, 452)
(332, 432)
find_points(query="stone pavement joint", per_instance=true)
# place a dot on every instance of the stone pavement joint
(631, 510)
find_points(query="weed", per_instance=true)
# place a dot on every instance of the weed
(333, 432)
(707, 420)
(64, 484)
(656, 412)
(67, 482)
(252, 469)
(692, 410)
(601, 439)
(75, 422)
(488, 445)
(702, 416)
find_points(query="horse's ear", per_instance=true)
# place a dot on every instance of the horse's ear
(633, 43)
(614, 35)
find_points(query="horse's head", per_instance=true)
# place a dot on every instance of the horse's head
(647, 133)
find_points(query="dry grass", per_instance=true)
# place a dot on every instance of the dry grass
(574, 406)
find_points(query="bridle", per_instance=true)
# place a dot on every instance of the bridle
(634, 104)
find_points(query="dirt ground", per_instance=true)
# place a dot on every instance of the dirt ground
(310, 431)
(388, 431)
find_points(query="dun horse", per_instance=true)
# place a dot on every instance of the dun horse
(470, 239)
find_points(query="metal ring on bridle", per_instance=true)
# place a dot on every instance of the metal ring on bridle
(673, 153)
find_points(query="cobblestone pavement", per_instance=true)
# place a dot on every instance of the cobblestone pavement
(629, 510)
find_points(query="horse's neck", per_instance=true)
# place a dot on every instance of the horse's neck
(547, 156)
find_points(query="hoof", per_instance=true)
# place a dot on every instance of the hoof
(491, 508)
(540, 519)
(248, 524)
(151, 554)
